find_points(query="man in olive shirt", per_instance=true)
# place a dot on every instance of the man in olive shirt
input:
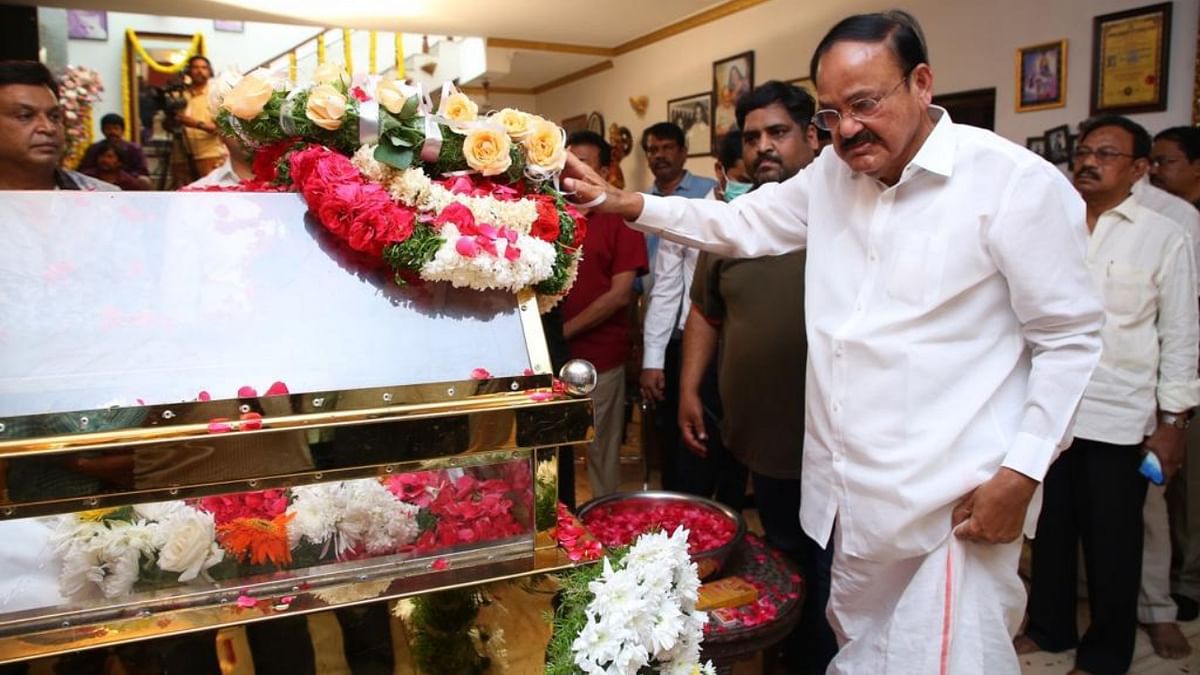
(754, 310)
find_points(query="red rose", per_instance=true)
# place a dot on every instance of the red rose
(580, 226)
(303, 162)
(266, 160)
(460, 216)
(546, 227)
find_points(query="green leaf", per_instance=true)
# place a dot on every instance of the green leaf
(394, 157)
(410, 107)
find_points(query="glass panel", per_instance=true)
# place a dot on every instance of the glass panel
(252, 547)
(133, 300)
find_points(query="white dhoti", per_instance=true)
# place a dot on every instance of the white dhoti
(953, 611)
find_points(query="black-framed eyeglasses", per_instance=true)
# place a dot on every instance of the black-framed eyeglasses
(827, 119)
(1103, 155)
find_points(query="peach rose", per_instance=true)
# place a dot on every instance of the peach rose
(331, 73)
(458, 108)
(392, 94)
(486, 150)
(248, 97)
(545, 147)
(326, 107)
(518, 124)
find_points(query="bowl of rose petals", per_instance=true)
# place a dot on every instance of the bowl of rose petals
(714, 530)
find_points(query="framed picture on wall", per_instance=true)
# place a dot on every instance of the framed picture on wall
(733, 78)
(1042, 76)
(1130, 53)
(1058, 145)
(576, 123)
(229, 26)
(692, 113)
(1036, 145)
(805, 83)
(87, 24)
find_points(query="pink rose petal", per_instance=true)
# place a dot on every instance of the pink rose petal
(246, 601)
(480, 374)
(440, 564)
(246, 391)
(467, 247)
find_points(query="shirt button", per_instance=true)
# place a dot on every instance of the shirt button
(858, 307)
(873, 257)
(838, 352)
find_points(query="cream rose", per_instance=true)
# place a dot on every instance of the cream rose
(458, 108)
(545, 147)
(486, 150)
(393, 94)
(331, 73)
(248, 97)
(326, 107)
(189, 544)
(518, 124)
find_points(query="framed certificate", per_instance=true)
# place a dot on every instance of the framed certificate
(1129, 60)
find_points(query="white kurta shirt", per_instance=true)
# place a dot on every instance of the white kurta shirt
(1143, 263)
(1179, 211)
(952, 326)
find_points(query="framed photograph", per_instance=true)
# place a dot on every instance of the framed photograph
(1042, 76)
(576, 123)
(1130, 54)
(595, 122)
(87, 24)
(733, 78)
(1036, 145)
(1058, 145)
(229, 26)
(692, 113)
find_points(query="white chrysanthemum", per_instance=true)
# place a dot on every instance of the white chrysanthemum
(371, 168)
(412, 188)
(485, 271)
(315, 512)
(376, 518)
(546, 472)
(157, 511)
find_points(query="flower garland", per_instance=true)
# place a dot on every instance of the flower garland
(447, 196)
(78, 91)
(113, 552)
(635, 613)
(196, 47)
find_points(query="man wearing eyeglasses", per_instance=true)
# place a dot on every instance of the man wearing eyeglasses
(1175, 163)
(1139, 400)
(952, 327)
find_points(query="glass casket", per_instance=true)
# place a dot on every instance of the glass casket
(211, 413)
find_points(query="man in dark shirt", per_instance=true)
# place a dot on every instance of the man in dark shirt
(133, 160)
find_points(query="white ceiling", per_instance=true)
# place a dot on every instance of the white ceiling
(603, 23)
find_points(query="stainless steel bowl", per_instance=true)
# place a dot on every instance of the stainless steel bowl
(709, 562)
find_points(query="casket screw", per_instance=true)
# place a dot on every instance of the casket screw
(244, 408)
(389, 468)
(252, 483)
(83, 421)
(450, 391)
(318, 476)
(1, 426)
(387, 398)
(514, 386)
(318, 402)
(8, 511)
(167, 414)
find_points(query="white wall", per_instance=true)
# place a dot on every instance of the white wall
(972, 45)
(259, 42)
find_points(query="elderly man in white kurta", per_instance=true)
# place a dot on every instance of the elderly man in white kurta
(952, 328)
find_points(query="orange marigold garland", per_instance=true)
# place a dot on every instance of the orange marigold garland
(258, 540)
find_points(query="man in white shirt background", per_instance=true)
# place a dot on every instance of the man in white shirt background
(668, 301)
(1139, 399)
(952, 327)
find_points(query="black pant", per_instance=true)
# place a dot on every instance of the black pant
(812, 645)
(1093, 493)
(718, 474)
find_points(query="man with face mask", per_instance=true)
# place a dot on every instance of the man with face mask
(952, 327)
(736, 304)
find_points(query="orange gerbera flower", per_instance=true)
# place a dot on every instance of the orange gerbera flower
(258, 540)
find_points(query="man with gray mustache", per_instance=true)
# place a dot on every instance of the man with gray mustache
(952, 328)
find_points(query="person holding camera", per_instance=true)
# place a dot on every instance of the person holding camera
(197, 148)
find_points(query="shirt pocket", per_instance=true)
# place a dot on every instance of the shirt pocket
(916, 267)
(1127, 290)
